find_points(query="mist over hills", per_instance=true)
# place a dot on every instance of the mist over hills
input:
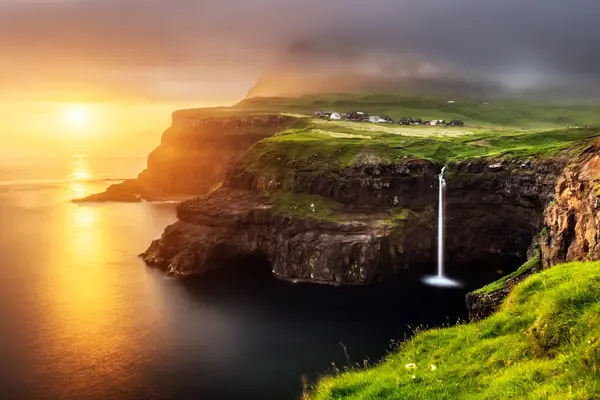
(310, 67)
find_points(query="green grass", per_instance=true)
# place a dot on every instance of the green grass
(398, 215)
(325, 148)
(499, 284)
(302, 205)
(544, 343)
(516, 113)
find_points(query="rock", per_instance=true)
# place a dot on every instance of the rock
(224, 224)
(487, 213)
(483, 303)
(571, 229)
(495, 167)
(572, 220)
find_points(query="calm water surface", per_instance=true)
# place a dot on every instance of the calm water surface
(83, 318)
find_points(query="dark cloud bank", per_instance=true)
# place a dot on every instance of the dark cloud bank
(184, 49)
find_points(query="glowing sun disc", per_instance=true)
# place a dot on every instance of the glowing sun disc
(76, 117)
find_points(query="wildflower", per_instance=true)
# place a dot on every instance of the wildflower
(414, 376)
(411, 366)
(432, 367)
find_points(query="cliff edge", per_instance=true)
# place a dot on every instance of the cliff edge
(328, 206)
(193, 156)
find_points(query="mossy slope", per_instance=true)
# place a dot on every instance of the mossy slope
(544, 343)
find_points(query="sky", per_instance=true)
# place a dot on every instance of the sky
(141, 59)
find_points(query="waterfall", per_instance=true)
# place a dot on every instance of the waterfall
(440, 279)
(440, 249)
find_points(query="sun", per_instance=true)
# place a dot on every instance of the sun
(76, 117)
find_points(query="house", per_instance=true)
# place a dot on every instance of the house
(335, 115)
(455, 122)
(410, 121)
(435, 122)
(377, 119)
(357, 116)
(324, 114)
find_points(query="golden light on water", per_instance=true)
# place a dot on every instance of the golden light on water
(84, 299)
(80, 175)
(80, 169)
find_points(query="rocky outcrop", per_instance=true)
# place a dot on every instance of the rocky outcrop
(484, 302)
(572, 220)
(570, 232)
(385, 219)
(223, 224)
(193, 156)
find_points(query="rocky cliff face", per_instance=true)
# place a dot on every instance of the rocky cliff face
(193, 156)
(383, 221)
(225, 224)
(572, 221)
(571, 227)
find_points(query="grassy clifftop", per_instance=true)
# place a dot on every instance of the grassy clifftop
(544, 343)
(326, 145)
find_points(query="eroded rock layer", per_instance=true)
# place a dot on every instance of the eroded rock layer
(570, 232)
(383, 220)
(572, 220)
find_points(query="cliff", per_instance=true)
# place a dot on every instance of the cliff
(193, 156)
(381, 220)
(570, 232)
(342, 213)
(572, 223)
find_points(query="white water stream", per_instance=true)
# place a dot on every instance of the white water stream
(440, 279)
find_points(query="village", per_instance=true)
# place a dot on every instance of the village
(359, 116)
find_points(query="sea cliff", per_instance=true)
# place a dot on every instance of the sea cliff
(193, 155)
(334, 207)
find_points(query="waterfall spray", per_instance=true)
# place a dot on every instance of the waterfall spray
(440, 279)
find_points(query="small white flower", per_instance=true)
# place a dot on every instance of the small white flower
(414, 376)
(432, 367)
(411, 366)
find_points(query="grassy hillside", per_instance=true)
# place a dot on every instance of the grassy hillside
(323, 146)
(528, 114)
(544, 343)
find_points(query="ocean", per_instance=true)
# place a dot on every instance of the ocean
(84, 318)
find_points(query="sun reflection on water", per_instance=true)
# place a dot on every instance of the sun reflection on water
(79, 177)
(86, 301)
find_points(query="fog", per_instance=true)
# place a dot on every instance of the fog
(184, 49)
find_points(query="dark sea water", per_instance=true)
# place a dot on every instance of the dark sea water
(83, 318)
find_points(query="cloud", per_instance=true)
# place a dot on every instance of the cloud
(187, 49)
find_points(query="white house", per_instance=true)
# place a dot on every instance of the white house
(335, 115)
(376, 119)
